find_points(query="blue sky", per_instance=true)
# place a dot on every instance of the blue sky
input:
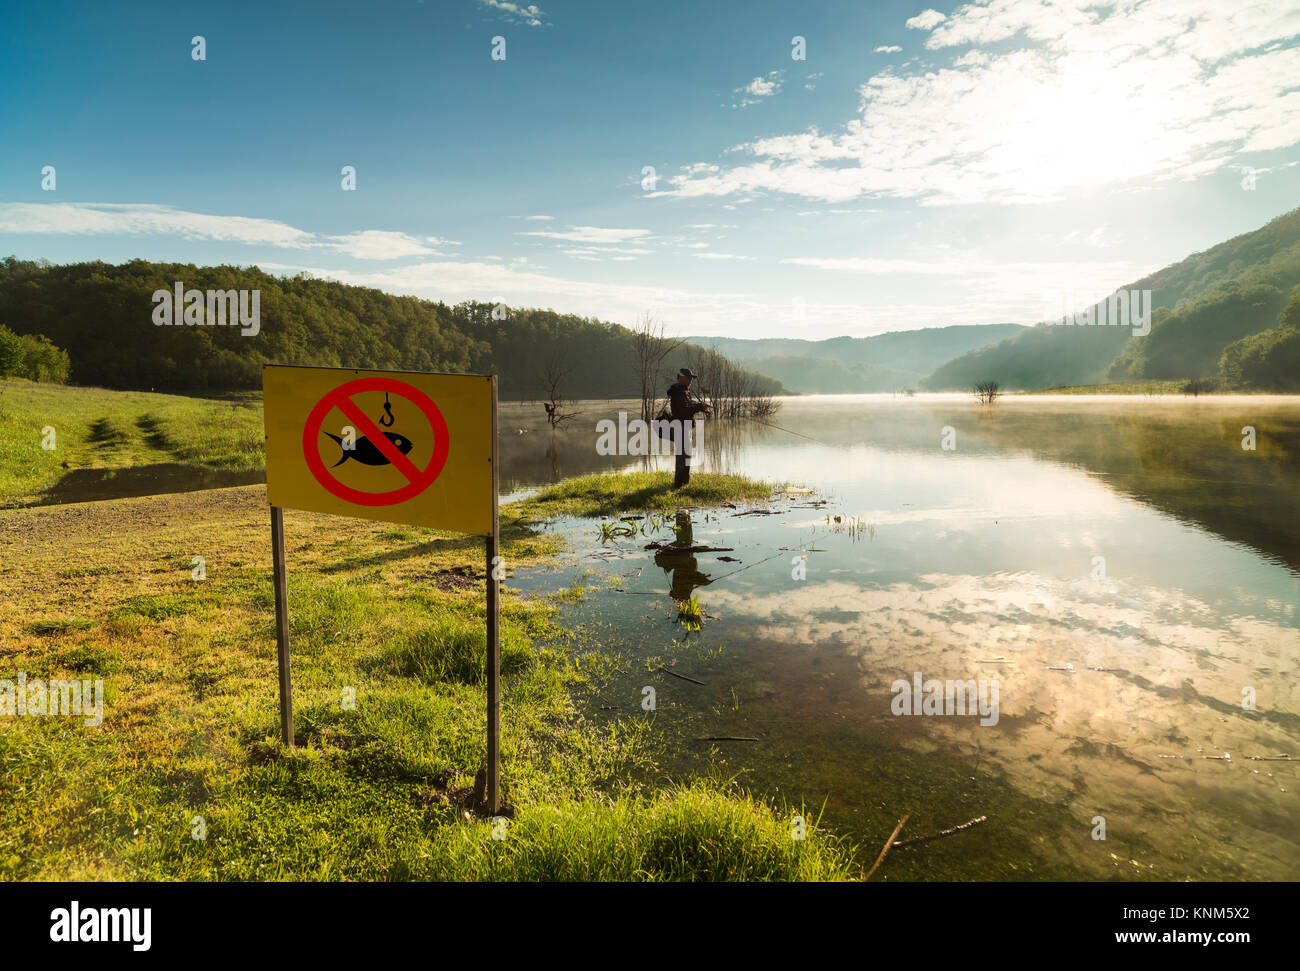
(922, 166)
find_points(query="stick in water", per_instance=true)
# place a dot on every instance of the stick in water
(947, 832)
(676, 675)
(885, 849)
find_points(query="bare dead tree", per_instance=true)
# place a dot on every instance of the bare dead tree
(987, 392)
(650, 346)
(555, 404)
(730, 391)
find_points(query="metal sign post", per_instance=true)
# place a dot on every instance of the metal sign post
(493, 635)
(282, 623)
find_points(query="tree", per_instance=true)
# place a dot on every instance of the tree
(650, 346)
(987, 392)
(552, 377)
(42, 361)
(12, 352)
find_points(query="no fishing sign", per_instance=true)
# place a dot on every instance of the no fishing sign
(399, 446)
(391, 445)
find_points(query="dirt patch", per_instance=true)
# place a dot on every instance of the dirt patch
(469, 799)
(461, 578)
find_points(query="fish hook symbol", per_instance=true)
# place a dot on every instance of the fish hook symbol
(388, 410)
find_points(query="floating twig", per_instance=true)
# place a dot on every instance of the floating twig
(676, 675)
(727, 738)
(940, 835)
(884, 850)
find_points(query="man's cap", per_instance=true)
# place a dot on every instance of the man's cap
(687, 373)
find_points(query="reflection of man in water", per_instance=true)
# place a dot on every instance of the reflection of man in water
(684, 567)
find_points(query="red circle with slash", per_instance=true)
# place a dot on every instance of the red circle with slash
(417, 479)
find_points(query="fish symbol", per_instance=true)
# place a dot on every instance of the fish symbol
(367, 453)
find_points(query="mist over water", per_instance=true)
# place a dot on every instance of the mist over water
(1130, 539)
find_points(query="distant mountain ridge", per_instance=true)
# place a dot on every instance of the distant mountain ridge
(844, 365)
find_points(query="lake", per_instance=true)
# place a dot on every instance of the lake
(1119, 570)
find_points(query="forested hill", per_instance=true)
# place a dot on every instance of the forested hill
(1217, 315)
(103, 316)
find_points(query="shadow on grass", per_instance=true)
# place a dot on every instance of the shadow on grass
(90, 485)
(452, 544)
(107, 433)
(154, 435)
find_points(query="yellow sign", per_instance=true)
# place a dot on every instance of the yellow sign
(399, 446)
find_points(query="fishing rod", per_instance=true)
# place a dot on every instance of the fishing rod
(732, 573)
(771, 424)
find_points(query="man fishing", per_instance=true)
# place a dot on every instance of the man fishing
(681, 410)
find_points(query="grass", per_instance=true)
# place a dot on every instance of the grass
(607, 495)
(389, 712)
(689, 613)
(700, 831)
(99, 429)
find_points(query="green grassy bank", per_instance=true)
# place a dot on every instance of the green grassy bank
(185, 779)
(98, 429)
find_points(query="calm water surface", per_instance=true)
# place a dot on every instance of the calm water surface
(1130, 538)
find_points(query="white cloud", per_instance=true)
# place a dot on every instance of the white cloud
(454, 281)
(837, 212)
(925, 20)
(529, 14)
(890, 49)
(605, 252)
(539, 218)
(971, 58)
(1021, 271)
(758, 89)
(127, 219)
(592, 234)
(375, 244)
(721, 256)
(1078, 96)
(992, 290)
